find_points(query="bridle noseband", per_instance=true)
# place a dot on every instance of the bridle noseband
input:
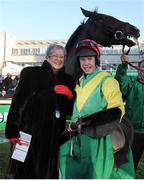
(118, 35)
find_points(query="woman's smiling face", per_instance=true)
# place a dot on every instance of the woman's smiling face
(56, 59)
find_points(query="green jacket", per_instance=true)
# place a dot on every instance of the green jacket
(85, 157)
(133, 95)
(105, 94)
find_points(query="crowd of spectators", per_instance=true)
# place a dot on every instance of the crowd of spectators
(8, 85)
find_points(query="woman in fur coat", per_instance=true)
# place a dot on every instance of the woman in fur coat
(43, 98)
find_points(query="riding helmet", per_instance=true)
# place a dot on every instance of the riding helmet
(88, 47)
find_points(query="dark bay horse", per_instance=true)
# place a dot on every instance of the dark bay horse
(105, 30)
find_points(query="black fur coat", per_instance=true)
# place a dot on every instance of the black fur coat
(33, 109)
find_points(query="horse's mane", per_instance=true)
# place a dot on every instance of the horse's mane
(74, 37)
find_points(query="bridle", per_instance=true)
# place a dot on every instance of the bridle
(118, 35)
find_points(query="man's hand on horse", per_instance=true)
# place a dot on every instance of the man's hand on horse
(124, 58)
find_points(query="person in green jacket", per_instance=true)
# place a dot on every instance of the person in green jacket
(132, 88)
(90, 152)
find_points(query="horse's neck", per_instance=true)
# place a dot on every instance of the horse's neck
(74, 37)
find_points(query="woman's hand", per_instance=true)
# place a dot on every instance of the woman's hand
(14, 141)
(62, 89)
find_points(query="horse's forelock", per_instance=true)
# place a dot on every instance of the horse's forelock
(95, 12)
(83, 21)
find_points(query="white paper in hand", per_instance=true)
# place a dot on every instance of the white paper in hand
(20, 151)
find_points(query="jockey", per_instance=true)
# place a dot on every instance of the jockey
(92, 154)
(132, 88)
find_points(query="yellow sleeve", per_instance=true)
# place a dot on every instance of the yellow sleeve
(113, 95)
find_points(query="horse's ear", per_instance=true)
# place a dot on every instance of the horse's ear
(86, 13)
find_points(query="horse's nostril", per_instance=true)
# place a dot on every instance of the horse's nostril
(118, 35)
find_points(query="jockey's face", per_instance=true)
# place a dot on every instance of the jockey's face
(87, 64)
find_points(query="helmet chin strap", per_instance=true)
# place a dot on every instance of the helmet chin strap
(97, 61)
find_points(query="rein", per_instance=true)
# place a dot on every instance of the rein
(127, 52)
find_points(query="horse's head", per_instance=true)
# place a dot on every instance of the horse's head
(105, 30)
(108, 31)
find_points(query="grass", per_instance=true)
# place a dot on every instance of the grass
(4, 156)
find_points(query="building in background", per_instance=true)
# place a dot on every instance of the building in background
(16, 54)
(7, 42)
(32, 52)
